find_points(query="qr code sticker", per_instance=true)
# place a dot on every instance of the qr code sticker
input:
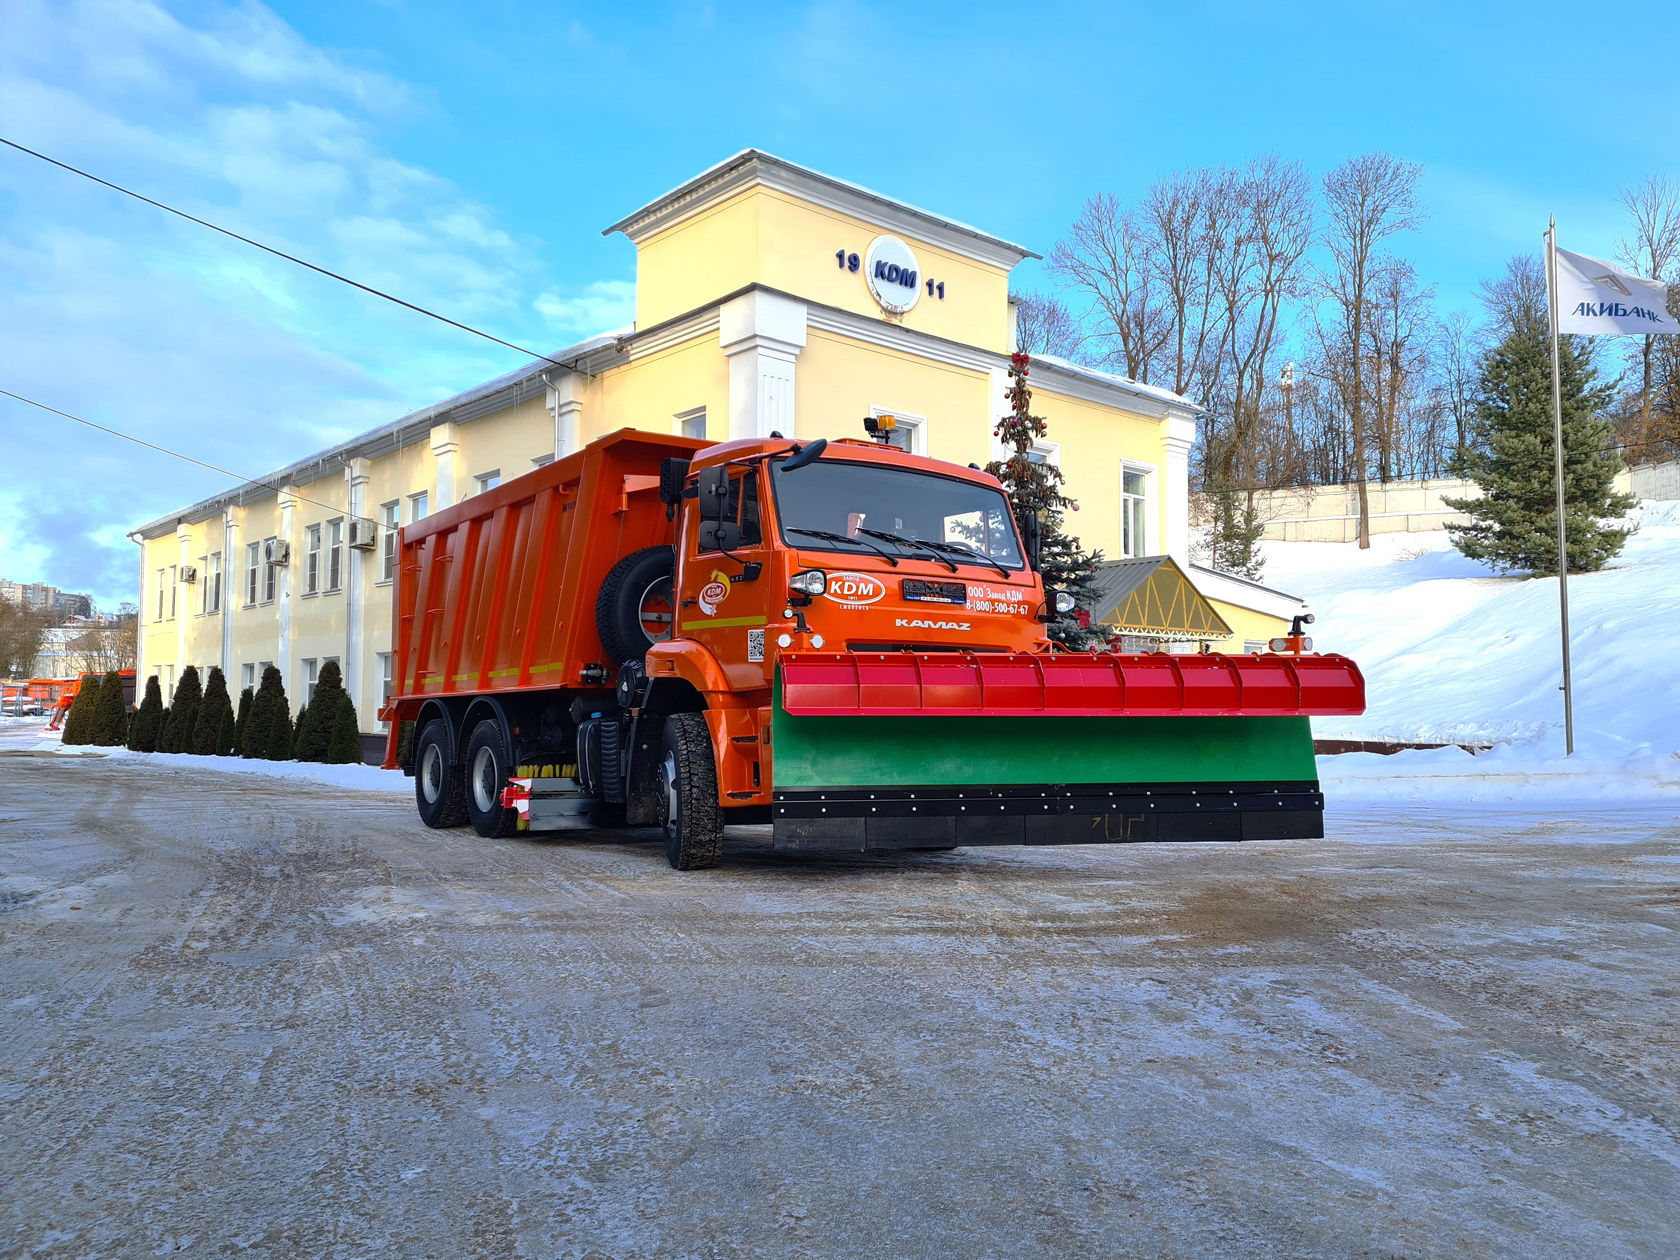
(755, 645)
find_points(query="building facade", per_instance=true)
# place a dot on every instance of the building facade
(769, 298)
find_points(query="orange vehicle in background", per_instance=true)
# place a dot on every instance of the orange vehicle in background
(842, 639)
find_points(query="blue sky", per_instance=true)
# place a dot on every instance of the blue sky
(467, 157)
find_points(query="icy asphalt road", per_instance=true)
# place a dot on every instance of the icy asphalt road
(242, 1015)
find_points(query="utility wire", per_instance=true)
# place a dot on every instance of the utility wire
(477, 332)
(255, 481)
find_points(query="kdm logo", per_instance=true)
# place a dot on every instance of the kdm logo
(854, 590)
(714, 593)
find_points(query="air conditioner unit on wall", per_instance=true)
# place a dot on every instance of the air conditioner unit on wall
(364, 534)
(189, 573)
(277, 551)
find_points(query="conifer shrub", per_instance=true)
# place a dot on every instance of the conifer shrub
(253, 742)
(345, 746)
(109, 725)
(225, 732)
(300, 730)
(280, 733)
(183, 713)
(315, 731)
(210, 711)
(148, 718)
(78, 722)
(243, 718)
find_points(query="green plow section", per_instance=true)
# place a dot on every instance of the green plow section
(862, 752)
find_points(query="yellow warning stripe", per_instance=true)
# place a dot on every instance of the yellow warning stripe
(721, 623)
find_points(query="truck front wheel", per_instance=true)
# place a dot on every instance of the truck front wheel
(487, 775)
(440, 790)
(688, 783)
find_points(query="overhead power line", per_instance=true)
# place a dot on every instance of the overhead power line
(129, 437)
(279, 253)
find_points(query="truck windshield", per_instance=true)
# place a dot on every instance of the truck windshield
(835, 505)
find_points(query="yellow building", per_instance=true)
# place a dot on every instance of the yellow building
(768, 298)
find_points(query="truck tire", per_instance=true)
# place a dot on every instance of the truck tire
(693, 820)
(440, 789)
(487, 774)
(637, 606)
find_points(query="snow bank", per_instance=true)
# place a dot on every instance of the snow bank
(358, 778)
(1521, 775)
(1451, 652)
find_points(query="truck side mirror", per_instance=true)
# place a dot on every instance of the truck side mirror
(719, 535)
(1033, 536)
(714, 492)
(808, 454)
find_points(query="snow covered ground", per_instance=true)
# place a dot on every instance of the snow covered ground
(1452, 652)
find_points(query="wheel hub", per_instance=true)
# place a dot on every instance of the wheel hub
(668, 794)
(431, 774)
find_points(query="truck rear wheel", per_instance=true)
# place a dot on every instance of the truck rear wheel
(439, 788)
(693, 821)
(637, 606)
(487, 775)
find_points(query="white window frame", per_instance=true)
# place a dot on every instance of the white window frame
(311, 560)
(174, 588)
(215, 600)
(203, 586)
(168, 681)
(384, 659)
(543, 461)
(419, 506)
(683, 419)
(335, 556)
(914, 425)
(248, 676)
(271, 576)
(311, 675)
(1151, 522)
(487, 480)
(390, 514)
(160, 574)
(253, 570)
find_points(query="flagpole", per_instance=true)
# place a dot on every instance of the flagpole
(1557, 463)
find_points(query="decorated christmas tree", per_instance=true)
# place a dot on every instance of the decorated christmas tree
(1036, 487)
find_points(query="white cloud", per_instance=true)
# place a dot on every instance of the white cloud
(603, 306)
(129, 316)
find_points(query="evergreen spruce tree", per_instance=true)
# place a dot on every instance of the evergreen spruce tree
(109, 726)
(183, 713)
(79, 721)
(240, 722)
(280, 734)
(1235, 530)
(301, 732)
(148, 719)
(1514, 524)
(1064, 563)
(345, 747)
(225, 732)
(210, 711)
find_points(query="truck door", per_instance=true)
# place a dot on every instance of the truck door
(724, 596)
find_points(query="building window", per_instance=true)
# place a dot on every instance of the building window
(487, 481)
(387, 540)
(312, 560)
(247, 675)
(692, 424)
(253, 564)
(203, 585)
(909, 433)
(159, 616)
(311, 673)
(335, 554)
(168, 681)
(215, 583)
(269, 574)
(384, 659)
(174, 587)
(543, 461)
(417, 507)
(1134, 512)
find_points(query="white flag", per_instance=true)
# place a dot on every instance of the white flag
(1598, 297)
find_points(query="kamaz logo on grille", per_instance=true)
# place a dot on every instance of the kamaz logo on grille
(916, 623)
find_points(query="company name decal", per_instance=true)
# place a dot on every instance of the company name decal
(854, 590)
(984, 597)
(714, 593)
(916, 623)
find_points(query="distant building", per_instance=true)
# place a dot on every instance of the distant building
(39, 597)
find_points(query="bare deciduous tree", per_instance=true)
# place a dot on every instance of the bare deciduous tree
(1367, 200)
(1043, 325)
(1107, 258)
(1653, 250)
(1516, 302)
(1457, 359)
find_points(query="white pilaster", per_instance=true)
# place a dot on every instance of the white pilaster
(178, 597)
(565, 404)
(761, 335)
(356, 477)
(287, 498)
(446, 448)
(228, 542)
(140, 623)
(1178, 435)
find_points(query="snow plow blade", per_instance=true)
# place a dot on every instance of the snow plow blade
(910, 750)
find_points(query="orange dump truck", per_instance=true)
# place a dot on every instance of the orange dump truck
(841, 639)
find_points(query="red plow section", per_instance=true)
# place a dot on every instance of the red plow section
(972, 684)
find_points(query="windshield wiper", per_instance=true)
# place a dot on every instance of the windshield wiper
(856, 542)
(963, 549)
(902, 541)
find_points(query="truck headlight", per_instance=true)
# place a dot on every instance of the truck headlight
(810, 582)
(1064, 602)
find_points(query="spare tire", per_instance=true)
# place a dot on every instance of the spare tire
(637, 606)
